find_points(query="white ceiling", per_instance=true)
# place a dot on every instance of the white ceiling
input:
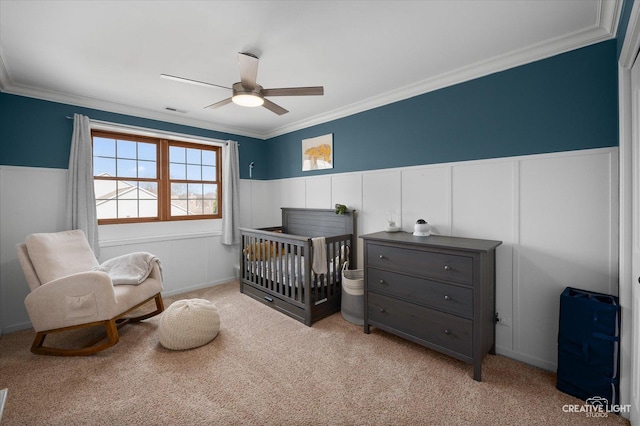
(109, 54)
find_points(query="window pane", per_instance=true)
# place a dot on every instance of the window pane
(210, 191)
(127, 208)
(107, 209)
(195, 198)
(146, 151)
(193, 156)
(208, 157)
(208, 173)
(178, 207)
(177, 154)
(194, 172)
(147, 169)
(126, 149)
(127, 190)
(177, 171)
(195, 207)
(127, 168)
(179, 191)
(104, 189)
(210, 199)
(210, 206)
(148, 208)
(148, 190)
(104, 166)
(104, 147)
(194, 190)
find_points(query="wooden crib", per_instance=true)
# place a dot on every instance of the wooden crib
(276, 263)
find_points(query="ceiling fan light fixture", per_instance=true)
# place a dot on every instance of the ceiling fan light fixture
(247, 100)
(247, 97)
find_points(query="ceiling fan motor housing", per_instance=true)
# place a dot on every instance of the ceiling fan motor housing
(247, 97)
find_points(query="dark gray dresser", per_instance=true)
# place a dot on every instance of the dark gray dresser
(436, 291)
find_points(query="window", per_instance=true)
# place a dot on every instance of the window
(143, 179)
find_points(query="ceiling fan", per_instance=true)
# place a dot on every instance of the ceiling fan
(247, 92)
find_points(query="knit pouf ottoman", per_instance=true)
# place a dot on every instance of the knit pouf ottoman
(188, 323)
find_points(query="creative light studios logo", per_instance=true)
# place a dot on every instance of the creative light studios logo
(596, 406)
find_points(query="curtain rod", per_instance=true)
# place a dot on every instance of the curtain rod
(125, 125)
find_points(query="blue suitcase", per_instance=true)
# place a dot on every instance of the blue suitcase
(588, 345)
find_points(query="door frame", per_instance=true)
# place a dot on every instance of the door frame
(628, 54)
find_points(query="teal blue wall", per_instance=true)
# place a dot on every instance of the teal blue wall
(567, 102)
(37, 133)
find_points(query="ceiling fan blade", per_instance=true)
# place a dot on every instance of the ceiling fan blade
(219, 104)
(294, 91)
(188, 80)
(248, 64)
(274, 107)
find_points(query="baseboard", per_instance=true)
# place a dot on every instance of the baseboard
(198, 286)
(16, 327)
(536, 362)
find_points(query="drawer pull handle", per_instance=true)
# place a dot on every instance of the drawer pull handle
(447, 267)
(447, 331)
(446, 297)
(268, 299)
(382, 282)
(382, 310)
(381, 256)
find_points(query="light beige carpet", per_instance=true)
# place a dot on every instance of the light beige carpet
(267, 369)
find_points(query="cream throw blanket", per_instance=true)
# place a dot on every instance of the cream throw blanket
(130, 269)
(319, 264)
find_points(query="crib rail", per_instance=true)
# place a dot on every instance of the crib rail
(280, 265)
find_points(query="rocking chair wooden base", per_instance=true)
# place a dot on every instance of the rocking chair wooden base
(98, 345)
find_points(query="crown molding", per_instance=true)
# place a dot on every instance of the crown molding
(604, 28)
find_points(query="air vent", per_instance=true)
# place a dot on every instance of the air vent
(172, 109)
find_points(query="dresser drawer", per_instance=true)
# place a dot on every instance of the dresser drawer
(419, 262)
(444, 330)
(450, 298)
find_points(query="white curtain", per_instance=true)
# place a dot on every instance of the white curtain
(230, 194)
(81, 199)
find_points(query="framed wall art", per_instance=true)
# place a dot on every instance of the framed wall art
(317, 153)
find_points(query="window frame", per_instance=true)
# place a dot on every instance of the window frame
(163, 177)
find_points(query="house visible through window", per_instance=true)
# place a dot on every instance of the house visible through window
(143, 179)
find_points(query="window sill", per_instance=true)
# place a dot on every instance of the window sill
(141, 233)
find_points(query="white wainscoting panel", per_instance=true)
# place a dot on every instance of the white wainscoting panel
(292, 194)
(565, 240)
(347, 189)
(32, 199)
(556, 215)
(483, 206)
(246, 195)
(265, 206)
(381, 192)
(426, 194)
(318, 192)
